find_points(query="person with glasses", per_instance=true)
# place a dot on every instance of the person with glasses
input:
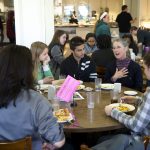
(123, 69)
(90, 45)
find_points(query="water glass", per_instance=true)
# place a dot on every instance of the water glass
(90, 99)
(98, 82)
(114, 94)
(55, 104)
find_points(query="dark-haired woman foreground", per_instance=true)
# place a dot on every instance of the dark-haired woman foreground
(23, 111)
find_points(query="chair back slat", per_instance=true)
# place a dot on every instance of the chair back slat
(23, 144)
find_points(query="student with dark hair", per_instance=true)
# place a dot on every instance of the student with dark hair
(56, 50)
(90, 45)
(73, 18)
(10, 27)
(131, 42)
(23, 111)
(143, 38)
(78, 65)
(105, 54)
(124, 20)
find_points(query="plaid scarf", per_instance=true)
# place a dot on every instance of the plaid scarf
(123, 63)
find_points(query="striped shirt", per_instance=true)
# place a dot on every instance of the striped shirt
(139, 124)
(85, 70)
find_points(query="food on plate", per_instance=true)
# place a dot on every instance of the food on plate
(122, 108)
(80, 87)
(88, 89)
(62, 114)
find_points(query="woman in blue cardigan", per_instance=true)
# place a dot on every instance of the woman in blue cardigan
(123, 69)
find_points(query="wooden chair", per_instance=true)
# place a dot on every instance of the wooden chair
(146, 141)
(22, 144)
(84, 147)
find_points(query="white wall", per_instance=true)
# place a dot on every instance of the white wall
(34, 20)
(2, 5)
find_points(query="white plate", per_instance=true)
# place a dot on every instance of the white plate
(44, 86)
(130, 92)
(81, 87)
(130, 107)
(107, 86)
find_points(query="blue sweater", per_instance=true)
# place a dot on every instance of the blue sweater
(134, 79)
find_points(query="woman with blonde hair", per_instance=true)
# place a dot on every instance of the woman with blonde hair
(40, 57)
(124, 70)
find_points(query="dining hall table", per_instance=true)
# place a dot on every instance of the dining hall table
(88, 120)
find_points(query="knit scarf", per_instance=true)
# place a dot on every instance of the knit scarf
(123, 63)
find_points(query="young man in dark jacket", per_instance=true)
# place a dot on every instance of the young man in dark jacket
(78, 65)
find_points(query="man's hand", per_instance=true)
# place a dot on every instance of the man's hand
(108, 109)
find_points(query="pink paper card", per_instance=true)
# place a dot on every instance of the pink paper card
(65, 93)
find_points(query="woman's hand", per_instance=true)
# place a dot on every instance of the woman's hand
(120, 74)
(108, 109)
(48, 80)
(129, 99)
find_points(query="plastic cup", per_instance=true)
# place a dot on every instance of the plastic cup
(114, 94)
(90, 99)
(117, 87)
(98, 82)
(55, 104)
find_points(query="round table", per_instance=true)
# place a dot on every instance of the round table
(94, 120)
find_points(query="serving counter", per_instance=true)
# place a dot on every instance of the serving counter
(81, 30)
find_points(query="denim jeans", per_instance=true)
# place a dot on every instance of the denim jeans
(120, 142)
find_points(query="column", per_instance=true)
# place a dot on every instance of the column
(34, 21)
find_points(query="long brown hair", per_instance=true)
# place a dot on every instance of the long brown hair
(56, 40)
(36, 49)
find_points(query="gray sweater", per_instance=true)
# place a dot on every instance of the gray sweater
(32, 116)
(56, 60)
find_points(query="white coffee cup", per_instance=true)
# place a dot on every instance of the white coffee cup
(117, 87)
